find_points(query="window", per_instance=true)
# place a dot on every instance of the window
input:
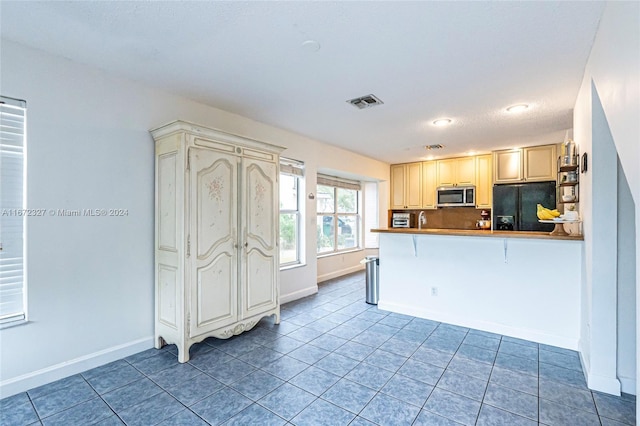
(12, 210)
(338, 223)
(290, 173)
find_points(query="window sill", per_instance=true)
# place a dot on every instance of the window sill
(336, 253)
(288, 267)
(15, 323)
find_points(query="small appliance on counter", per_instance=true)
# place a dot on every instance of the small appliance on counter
(485, 222)
(401, 220)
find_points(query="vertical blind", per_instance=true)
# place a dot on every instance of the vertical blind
(12, 203)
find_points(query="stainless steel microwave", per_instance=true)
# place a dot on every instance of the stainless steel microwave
(456, 196)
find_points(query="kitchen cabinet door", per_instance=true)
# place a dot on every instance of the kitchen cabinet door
(406, 186)
(466, 171)
(507, 166)
(397, 186)
(429, 184)
(532, 164)
(413, 185)
(457, 171)
(540, 163)
(446, 172)
(484, 181)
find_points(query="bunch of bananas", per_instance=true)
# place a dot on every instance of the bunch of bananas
(546, 214)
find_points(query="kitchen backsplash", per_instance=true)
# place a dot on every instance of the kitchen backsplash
(448, 217)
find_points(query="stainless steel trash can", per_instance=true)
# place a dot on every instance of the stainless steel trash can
(372, 279)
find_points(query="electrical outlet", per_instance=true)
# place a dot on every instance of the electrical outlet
(434, 291)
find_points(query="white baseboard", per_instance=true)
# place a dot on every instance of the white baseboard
(520, 333)
(59, 371)
(628, 385)
(610, 385)
(298, 294)
(339, 273)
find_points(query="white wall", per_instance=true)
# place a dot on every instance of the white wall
(91, 279)
(613, 73)
(626, 286)
(510, 286)
(601, 237)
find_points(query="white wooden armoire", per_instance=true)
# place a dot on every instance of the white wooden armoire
(216, 234)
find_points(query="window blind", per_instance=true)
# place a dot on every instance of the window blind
(291, 167)
(338, 182)
(12, 203)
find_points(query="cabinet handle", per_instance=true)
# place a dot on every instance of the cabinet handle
(246, 244)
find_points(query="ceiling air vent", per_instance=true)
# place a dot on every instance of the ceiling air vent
(365, 101)
(436, 146)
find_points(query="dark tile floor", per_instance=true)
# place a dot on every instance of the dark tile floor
(334, 360)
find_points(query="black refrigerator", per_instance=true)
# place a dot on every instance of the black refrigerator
(515, 206)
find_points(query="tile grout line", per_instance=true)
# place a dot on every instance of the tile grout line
(488, 381)
(353, 313)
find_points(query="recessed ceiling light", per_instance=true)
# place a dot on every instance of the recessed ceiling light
(517, 108)
(442, 122)
(311, 46)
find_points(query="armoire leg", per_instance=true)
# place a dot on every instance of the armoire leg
(159, 342)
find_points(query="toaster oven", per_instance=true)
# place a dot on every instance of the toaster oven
(401, 220)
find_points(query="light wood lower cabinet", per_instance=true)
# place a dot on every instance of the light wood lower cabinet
(216, 252)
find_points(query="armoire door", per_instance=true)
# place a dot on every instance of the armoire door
(259, 251)
(213, 246)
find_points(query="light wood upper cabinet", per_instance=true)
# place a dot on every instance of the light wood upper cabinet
(456, 171)
(406, 186)
(446, 172)
(540, 163)
(429, 184)
(397, 186)
(533, 164)
(484, 181)
(507, 166)
(413, 186)
(466, 171)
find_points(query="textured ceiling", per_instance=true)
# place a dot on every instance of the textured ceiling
(466, 61)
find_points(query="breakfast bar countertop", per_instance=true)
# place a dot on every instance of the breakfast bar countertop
(478, 233)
